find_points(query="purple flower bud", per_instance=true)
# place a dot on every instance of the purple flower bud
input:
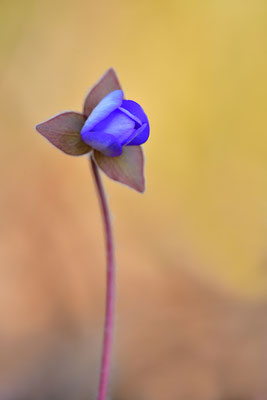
(115, 123)
(110, 127)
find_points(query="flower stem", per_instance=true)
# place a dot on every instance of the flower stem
(110, 288)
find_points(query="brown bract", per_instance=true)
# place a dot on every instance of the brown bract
(63, 131)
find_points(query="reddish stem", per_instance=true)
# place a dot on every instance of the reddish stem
(110, 289)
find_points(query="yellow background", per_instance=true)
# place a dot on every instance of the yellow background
(199, 70)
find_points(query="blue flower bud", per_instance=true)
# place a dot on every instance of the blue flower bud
(115, 123)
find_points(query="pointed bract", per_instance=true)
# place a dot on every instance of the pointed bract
(108, 83)
(63, 131)
(127, 168)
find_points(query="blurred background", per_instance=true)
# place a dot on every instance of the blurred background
(191, 251)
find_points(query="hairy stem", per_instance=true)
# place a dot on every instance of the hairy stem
(110, 288)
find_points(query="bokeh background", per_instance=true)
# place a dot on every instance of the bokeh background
(191, 251)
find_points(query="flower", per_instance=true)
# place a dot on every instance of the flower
(110, 126)
(115, 123)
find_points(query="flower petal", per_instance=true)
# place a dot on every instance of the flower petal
(108, 83)
(128, 168)
(135, 109)
(103, 142)
(117, 124)
(133, 117)
(108, 104)
(63, 131)
(141, 137)
(129, 140)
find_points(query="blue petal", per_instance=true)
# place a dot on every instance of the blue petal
(108, 104)
(104, 142)
(133, 117)
(135, 109)
(141, 136)
(142, 133)
(117, 124)
(137, 132)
